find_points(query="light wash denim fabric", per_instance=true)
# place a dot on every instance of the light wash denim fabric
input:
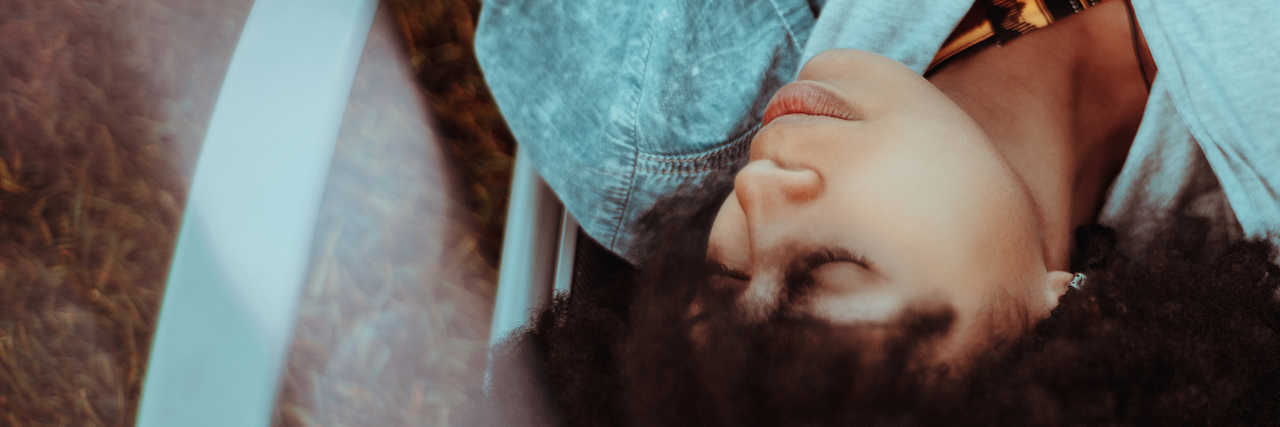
(620, 102)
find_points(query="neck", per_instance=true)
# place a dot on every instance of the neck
(1062, 105)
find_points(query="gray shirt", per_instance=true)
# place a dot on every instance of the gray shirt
(1219, 88)
(1209, 142)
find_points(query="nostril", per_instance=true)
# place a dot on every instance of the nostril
(764, 181)
(802, 185)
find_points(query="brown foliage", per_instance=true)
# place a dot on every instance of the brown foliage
(439, 35)
(101, 112)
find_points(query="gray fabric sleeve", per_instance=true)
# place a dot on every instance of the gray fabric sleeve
(1220, 62)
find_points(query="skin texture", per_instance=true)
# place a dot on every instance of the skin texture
(960, 190)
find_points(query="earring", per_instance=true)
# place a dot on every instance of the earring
(1078, 281)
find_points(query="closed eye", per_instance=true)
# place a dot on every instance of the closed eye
(719, 269)
(828, 255)
(801, 267)
(799, 275)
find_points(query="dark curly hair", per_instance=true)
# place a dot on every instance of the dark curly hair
(1180, 335)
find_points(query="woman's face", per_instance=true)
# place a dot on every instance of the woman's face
(869, 191)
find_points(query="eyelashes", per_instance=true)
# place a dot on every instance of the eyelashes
(800, 267)
(830, 255)
(719, 269)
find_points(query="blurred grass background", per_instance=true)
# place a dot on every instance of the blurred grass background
(103, 107)
(439, 37)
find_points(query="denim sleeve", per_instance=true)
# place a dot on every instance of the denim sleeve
(619, 102)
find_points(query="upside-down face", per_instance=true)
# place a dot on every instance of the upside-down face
(869, 191)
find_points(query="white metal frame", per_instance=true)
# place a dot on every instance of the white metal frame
(230, 303)
(538, 248)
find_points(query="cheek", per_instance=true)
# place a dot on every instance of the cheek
(935, 215)
(1003, 229)
(903, 201)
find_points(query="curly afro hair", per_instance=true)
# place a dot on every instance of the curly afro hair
(1177, 336)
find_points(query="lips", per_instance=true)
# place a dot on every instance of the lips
(805, 97)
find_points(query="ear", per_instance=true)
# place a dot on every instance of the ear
(1055, 284)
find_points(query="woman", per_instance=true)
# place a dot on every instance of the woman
(892, 190)
(618, 104)
(889, 199)
(1179, 336)
(940, 185)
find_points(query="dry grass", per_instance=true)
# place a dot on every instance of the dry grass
(103, 105)
(439, 35)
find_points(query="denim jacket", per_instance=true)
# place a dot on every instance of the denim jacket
(620, 102)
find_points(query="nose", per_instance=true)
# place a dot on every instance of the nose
(770, 196)
(766, 190)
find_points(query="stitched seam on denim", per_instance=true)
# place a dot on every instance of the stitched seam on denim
(671, 167)
(697, 157)
(635, 161)
(677, 171)
(686, 166)
(718, 151)
(683, 171)
(702, 162)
